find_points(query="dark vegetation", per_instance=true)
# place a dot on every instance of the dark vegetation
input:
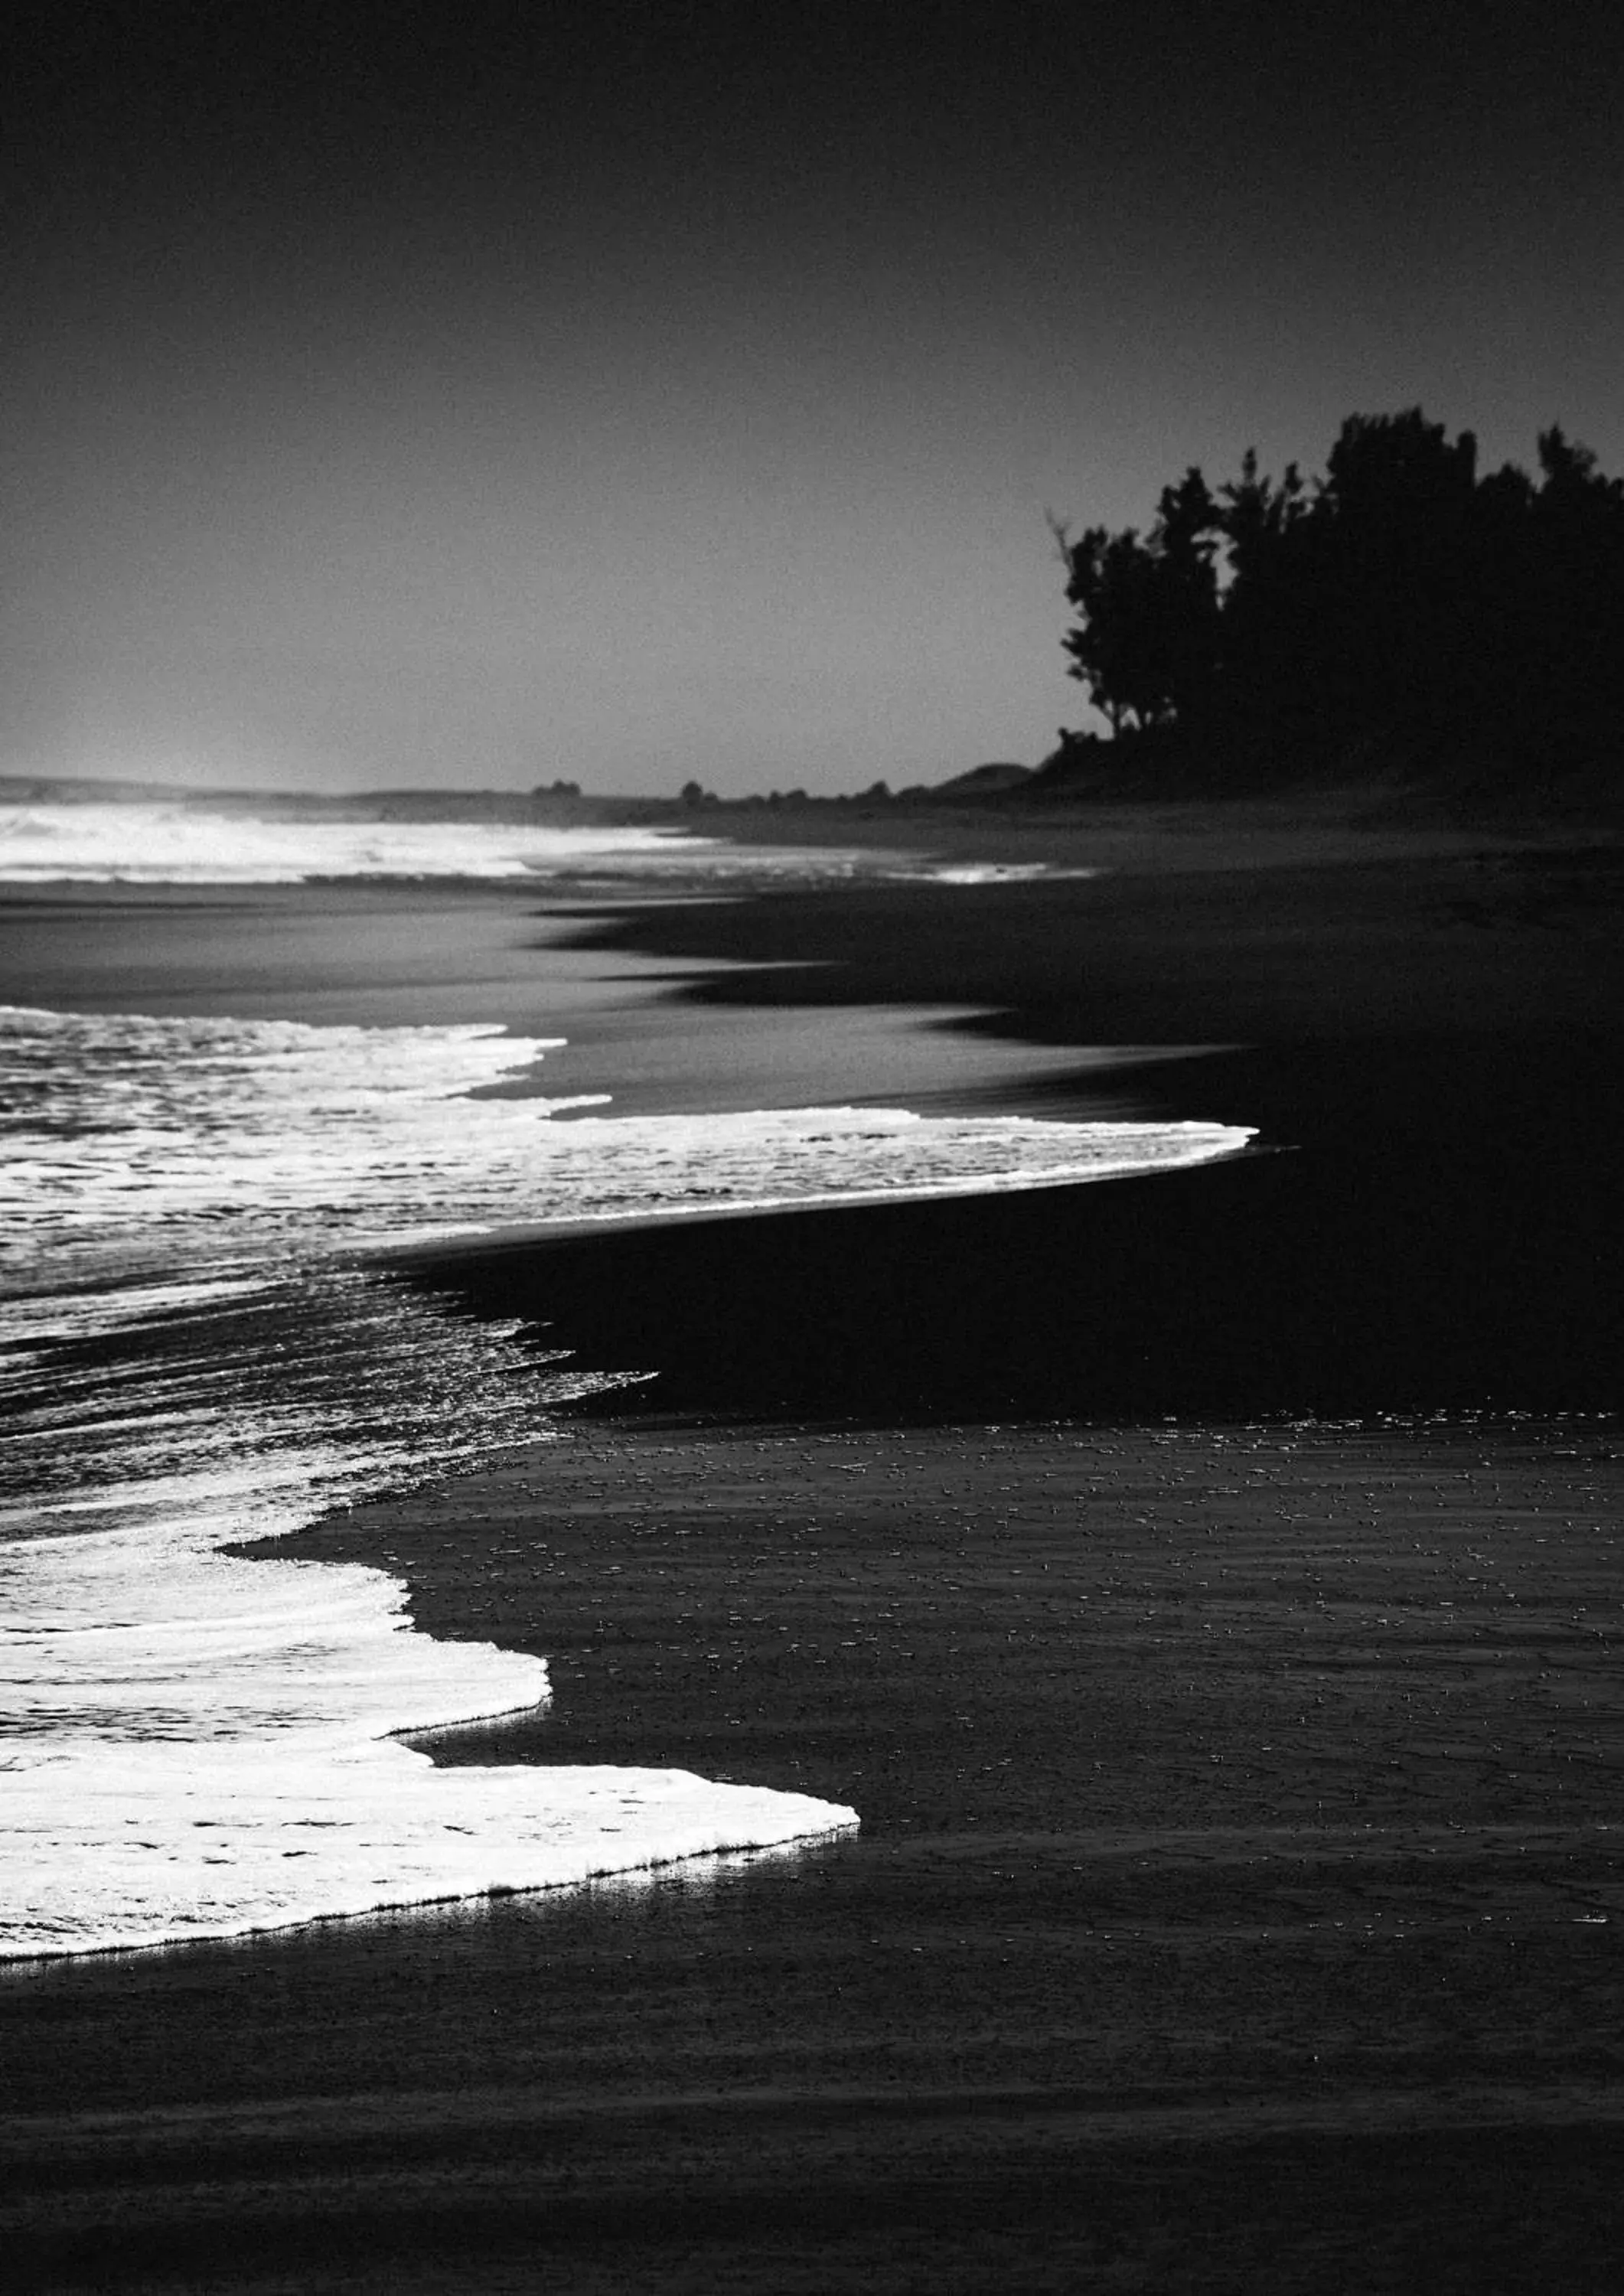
(1404, 620)
(1402, 611)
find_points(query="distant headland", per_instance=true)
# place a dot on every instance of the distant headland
(1403, 624)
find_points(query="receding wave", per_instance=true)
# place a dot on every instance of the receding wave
(132, 844)
(233, 1138)
(199, 1745)
(139, 844)
(199, 1347)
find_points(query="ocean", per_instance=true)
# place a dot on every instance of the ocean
(243, 1064)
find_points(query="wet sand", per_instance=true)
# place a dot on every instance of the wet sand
(1237, 1897)
(1236, 1903)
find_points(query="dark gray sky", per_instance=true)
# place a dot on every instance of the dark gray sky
(397, 396)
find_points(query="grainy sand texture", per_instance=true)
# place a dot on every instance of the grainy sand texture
(1205, 1589)
(1236, 1903)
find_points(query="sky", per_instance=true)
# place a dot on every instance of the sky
(481, 397)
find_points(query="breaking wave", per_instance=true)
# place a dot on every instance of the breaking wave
(200, 1346)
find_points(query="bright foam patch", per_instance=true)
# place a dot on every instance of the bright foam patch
(127, 1142)
(169, 844)
(153, 844)
(195, 1354)
(195, 1744)
(142, 1849)
(199, 1748)
(1000, 872)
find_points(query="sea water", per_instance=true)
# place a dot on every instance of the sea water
(175, 843)
(182, 844)
(202, 1343)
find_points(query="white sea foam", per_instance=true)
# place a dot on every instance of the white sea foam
(139, 1848)
(999, 873)
(173, 844)
(196, 1743)
(134, 1142)
(135, 843)
(196, 1353)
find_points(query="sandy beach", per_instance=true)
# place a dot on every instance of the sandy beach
(1235, 1904)
(811, 1105)
(1203, 1588)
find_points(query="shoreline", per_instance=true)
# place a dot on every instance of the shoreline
(1439, 1045)
(1235, 1893)
(1398, 1254)
(1225, 1688)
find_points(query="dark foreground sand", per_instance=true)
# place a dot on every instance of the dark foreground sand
(1237, 1902)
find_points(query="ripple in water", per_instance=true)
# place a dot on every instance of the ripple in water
(196, 1353)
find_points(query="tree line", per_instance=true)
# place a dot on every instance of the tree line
(1402, 601)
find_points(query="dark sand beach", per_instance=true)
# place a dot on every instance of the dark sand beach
(1204, 1589)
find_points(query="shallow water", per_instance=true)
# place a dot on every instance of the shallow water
(44, 843)
(200, 1347)
(171, 844)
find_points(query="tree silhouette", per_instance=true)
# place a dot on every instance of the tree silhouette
(1147, 643)
(1400, 598)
